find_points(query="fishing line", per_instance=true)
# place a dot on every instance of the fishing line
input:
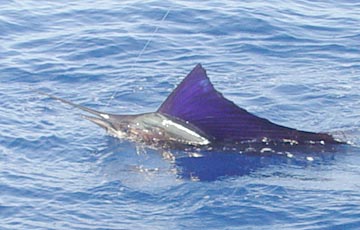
(142, 51)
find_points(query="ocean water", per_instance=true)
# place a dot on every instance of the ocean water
(296, 63)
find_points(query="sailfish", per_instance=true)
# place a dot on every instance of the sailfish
(196, 115)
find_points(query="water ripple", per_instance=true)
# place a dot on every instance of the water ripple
(295, 63)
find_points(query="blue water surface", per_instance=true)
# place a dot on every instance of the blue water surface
(296, 63)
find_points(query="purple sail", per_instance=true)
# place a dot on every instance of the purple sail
(196, 101)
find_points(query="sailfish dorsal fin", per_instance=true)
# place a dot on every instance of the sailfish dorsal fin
(195, 100)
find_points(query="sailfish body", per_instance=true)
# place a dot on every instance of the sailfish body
(195, 114)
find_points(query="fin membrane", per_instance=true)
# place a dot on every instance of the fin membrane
(195, 100)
